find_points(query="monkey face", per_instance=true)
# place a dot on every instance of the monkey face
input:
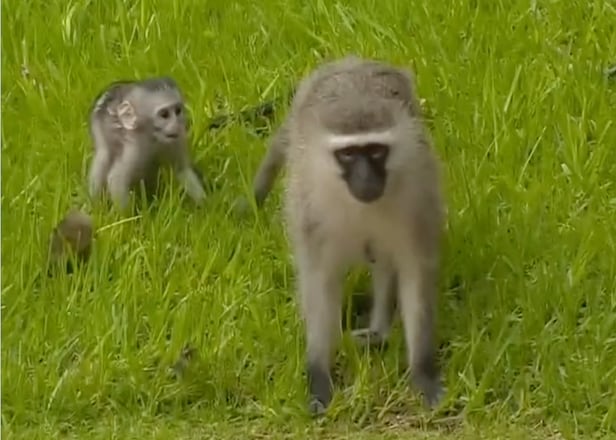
(363, 169)
(169, 123)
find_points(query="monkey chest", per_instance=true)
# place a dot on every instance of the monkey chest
(361, 236)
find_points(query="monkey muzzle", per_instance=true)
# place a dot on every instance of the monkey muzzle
(365, 181)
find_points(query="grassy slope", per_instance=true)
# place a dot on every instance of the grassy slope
(521, 116)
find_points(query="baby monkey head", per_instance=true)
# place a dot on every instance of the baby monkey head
(168, 121)
(156, 108)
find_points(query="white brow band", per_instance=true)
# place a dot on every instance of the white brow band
(344, 140)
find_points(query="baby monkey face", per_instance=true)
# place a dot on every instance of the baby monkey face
(168, 122)
(363, 169)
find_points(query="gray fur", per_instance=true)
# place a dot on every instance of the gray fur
(360, 82)
(331, 228)
(124, 156)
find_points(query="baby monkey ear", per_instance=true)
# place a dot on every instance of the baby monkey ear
(127, 116)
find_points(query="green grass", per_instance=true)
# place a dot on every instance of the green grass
(523, 119)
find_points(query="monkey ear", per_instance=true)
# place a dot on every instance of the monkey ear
(127, 116)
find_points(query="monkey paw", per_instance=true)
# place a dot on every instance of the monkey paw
(365, 337)
(316, 407)
(431, 388)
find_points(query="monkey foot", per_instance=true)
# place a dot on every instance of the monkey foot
(365, 337)
(316, 407)
(431, 388)
(320, 386)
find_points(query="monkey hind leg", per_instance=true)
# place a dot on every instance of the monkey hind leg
(417, 301)
(384, 282)
(321, 298)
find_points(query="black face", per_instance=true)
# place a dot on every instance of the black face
(363, 169)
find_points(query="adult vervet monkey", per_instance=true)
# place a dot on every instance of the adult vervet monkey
(362, 186)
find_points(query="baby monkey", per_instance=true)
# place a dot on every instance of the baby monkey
(70, 240)
(362, 187)
(137, 127)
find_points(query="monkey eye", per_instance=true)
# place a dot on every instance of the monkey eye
(178, 110)
(345, 155)
(164, 113)
(377, 154)
(378, 151)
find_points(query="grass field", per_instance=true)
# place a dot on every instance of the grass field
(523, 118)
